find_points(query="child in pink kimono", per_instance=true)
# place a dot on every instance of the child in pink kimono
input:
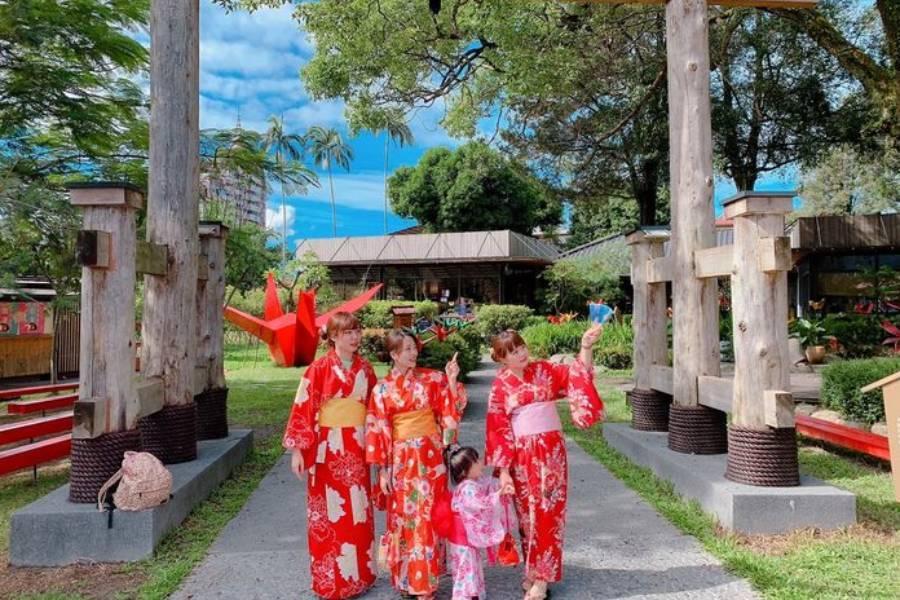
(478, 503)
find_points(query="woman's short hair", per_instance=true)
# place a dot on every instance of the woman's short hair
(337, 324)
(505, 342)
(393, 341)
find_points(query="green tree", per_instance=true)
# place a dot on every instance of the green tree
(773, 97)
(865, 39)
(328, 148)
(38, 227)
(310, 275)
(68, 68)
(472, 188)
(283, 146)
(846, 182)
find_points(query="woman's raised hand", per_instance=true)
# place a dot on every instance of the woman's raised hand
(591, 336)
(452, 369)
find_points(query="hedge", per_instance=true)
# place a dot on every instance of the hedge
(614, 349)
(859, 335)
(377, 313)
(841, 382)
(491, 319)
(434, 354)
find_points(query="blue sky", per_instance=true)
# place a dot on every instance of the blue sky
(250, 66)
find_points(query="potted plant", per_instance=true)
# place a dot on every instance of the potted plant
(812, 336)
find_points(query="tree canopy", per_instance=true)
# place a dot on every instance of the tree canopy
(578, 90)
(472, 188)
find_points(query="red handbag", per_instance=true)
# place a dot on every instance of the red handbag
(507, 552)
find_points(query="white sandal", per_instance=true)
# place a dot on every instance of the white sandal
(538, 591)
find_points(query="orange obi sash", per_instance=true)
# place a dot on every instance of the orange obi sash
(413, 424)
(342, 412)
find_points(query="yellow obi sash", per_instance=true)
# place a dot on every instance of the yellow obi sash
(413, 424)
(342, 412)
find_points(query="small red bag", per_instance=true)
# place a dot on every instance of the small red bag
(507, 552)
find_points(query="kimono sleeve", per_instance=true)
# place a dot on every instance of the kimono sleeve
(500, 445)
(576, 382)
(379, 433)
(300, 432)
(448, 407)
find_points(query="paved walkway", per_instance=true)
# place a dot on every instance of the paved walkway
(616, 545)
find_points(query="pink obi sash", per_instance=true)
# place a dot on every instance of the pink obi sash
(535, 418)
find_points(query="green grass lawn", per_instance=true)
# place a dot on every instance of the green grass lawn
(859, 562)
(259, 397)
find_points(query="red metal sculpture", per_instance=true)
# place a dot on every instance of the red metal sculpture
(292, 337)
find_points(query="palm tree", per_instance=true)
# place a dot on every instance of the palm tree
(283, 146)
(328, 148)
(396, 129)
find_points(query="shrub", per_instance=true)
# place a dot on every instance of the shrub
(841, 382)
(372, 345)
(546, 339)
(491, 319)
(860, 336)
(435, 354)
(614, 350)
(377, 313)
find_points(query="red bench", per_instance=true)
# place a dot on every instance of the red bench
(843, 436)
(37, 389)
(24, 407)
(34, 454)
(33, 428)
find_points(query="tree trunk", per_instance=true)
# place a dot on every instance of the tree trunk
(646, 191)
(387, 139)
(695, 306)
(172, 211)
(333, 209)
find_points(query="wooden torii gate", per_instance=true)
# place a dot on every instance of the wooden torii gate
(694, 428)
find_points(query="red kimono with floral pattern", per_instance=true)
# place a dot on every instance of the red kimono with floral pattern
(417, 468)
(340, 519)
(538, 463)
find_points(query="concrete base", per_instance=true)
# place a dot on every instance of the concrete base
(53, 531)
(743, 508)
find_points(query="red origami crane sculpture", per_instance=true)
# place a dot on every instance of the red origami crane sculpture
(292, 337)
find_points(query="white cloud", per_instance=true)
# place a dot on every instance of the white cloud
(274, 218)
(354, 190)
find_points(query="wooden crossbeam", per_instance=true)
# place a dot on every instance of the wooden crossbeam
(714, 262)
(152, 259)
(716, 392)
(661, 378)
(659, 270)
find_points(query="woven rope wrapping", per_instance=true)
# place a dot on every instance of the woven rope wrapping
(763, 457)
(171, 434)
(212, 414)
(697, 430)
(649, 410)
(96, 460)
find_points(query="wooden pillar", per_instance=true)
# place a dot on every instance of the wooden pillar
(210, 299)
(649, 307)
(694, 302)
(168, 323)
(759, 303)
(107, 399)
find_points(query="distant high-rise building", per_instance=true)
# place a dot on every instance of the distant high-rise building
(244, 197)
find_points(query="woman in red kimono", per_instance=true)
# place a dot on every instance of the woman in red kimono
(525, 441)
(413, 415)
(326, 434)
